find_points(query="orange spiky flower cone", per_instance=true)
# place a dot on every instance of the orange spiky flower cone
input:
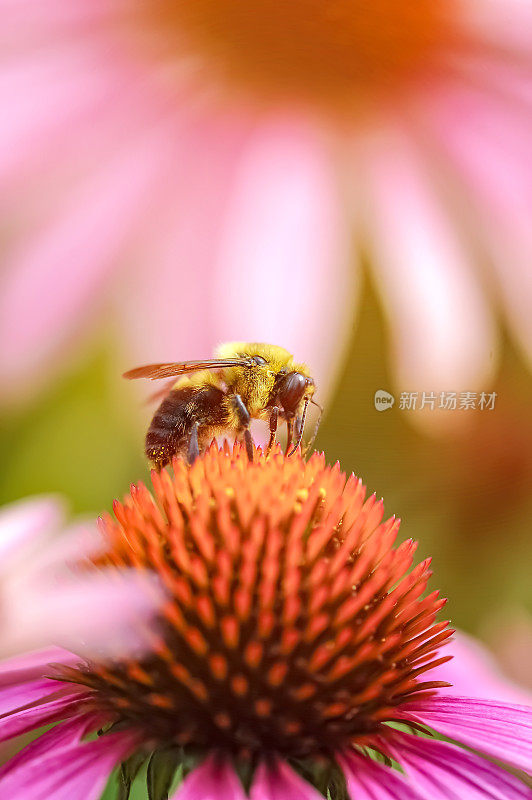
(291, 624)
(293, 633)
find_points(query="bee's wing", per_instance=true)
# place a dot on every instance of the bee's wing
(160, 394)
(157, 371)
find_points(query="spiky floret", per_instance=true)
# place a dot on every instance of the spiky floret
(292, 625)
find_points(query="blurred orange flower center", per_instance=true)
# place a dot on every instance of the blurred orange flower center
(311, 50)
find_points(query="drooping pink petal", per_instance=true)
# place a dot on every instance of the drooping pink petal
(280, 782)
(473, 672)
(31, 16)
(213, 780)
(50, 96)
(63, 735)
(45, 599)
(446, 772)
(93, 614)
(79, 771)
(22, 694)
(488, 144)
(503, 25)
(32, 665)
(168, 299)
(24, 521)
(283, 273)
(501, 730)
(441, 330)
(72, 546)
(51, 283)
(368, 780)
(512, 82)
(36, 716)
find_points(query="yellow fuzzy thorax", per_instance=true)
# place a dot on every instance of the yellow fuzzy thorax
(253, 384)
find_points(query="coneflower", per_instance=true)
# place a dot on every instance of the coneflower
(217, 142)
(291, 659)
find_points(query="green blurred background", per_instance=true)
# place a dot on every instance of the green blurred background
(465, 495)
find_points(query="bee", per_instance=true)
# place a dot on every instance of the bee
(222, 395)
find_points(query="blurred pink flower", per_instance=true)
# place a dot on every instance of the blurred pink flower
(181, 169)
(45, 602)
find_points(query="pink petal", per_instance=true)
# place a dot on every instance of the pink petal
(498, 23)
(213, 780)
(501, 730)
(280, 782)
(29, 666)
(25, 521)
(489, 145)
(28, 719)
(93, 614)
(22, 694)
(44, 600)
(76, 543)
(283, 273)
(510, 80)
(473, 672)
(446, 772)
(441, 329)
(32, 15)
(68, 262)
(79, 771)
(60, 736)
(168, 298)
(50, 95)
(368, 780)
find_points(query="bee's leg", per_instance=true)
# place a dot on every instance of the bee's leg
(274, 418)
(248, 440)
(299, 428)
(241, 411)
(312, 439)
(298, 433)
(193, 444)
(289, 434)
(244, 419)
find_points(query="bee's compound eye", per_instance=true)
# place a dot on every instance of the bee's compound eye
(258, 360)
(291, 390)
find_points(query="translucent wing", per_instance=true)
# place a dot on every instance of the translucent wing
(157, 371)
(160, 394)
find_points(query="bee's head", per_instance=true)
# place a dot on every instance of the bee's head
(292, 387)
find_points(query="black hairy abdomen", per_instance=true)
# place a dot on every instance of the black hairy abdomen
(169, 432)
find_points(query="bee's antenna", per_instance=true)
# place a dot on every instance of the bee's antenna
(316, 427)
(301, 429)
